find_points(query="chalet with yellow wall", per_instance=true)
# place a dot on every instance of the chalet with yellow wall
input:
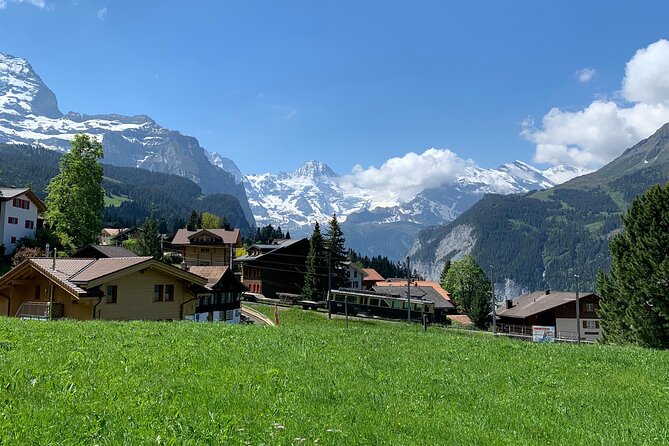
(119, 288)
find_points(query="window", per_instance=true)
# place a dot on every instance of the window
(590, 308)
(169, 292)
(158, 293)
(591, 324)
(112, 294)
(30, 224)
(19, 203)
(12, 220)
(355, 273)
(37, 292)
(12, 240)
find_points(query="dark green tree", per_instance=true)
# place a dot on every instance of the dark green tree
(315, 280)
(469, 287)
(287, 235)
(336, 251)
(444, 271)
(149, 240)
(193, 220)
(634, 297)
(75, 196)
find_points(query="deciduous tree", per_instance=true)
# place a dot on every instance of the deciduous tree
(634, 296)
(75, 196)
(470, 289)
(210, 221)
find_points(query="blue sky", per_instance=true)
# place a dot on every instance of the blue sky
(272, 84)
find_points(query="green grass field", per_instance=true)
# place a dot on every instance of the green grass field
(313, 381)
(115, 200)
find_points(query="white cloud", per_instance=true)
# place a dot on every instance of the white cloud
(102, 13)
(286, 112)
(41, 4)
(401, 178)
(604, 129)
(584, 75)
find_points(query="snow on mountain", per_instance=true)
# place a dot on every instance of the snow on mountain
(226, 164)
(314, 192)
(29, 114)
(299, 199)
(562, 173)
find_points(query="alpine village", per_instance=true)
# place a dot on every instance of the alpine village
(152, 293)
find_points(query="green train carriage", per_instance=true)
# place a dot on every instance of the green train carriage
(368, 303)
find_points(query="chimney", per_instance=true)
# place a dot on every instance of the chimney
(548, 291)
(508, 303)
(53, 264)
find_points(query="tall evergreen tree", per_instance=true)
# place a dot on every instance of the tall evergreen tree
(634, 297)
(149, 240)
(469, 287)
(287, 235)
(75, 196)
(336, 251)
(315, 280)
(192, 220)
(444, 271)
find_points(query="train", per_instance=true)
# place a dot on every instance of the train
(374, 304)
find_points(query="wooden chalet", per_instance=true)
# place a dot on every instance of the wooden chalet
(207, 247)
(222, 299)
(279, 267)
(554, 309)
(118, 288)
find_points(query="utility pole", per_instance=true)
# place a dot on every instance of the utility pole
(329, 286)
(492, 293)
(409, 289)
(578, 314)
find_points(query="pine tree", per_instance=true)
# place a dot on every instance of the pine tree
(287, 235)
(336, 251)
(444, 271)
(315, 282)
(634, 297)
(75, 196)
(149, 240)
(469, 287)
(192, 220)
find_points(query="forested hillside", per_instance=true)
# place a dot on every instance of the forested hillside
(132, 194)
(541, 239)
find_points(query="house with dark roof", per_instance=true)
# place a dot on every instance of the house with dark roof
(223, 296)
(102, 252)
(421, 290)
(207, 247)
(119, 288)
(554, 309)
(19, 212)
(280, 267)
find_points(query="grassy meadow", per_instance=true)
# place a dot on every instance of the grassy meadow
(313, 381)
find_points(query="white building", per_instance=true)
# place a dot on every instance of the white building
(18, 216)
(354, 275)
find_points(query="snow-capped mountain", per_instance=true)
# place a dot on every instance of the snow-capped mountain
(312, 193)
(299, 199)
(29, 114)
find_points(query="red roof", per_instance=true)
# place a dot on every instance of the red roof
(372, 275)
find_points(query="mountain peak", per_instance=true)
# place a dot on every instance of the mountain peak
(22, 91)
(315, 169)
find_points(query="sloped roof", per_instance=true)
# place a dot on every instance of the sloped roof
(421, 284)
(65, 268)
(212, 273)
(538, 302)
(425, 292)
(282, 245)
(105, 266)
(372, 275)
(184, 236)
(104, 251)
(7, 193)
